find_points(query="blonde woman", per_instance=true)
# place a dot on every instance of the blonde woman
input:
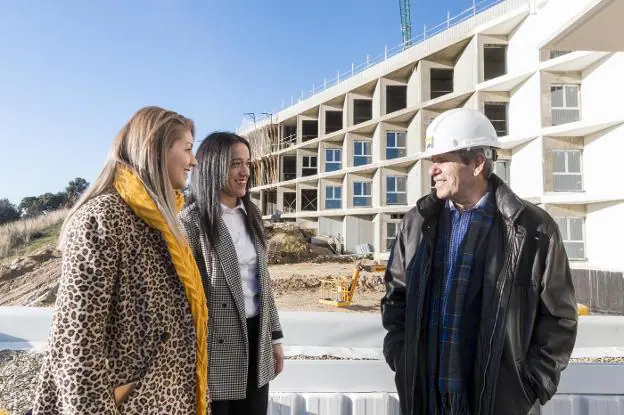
(129, 335)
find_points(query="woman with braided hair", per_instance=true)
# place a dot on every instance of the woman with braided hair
(129, 334)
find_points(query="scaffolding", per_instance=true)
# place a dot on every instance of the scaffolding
(265, 142)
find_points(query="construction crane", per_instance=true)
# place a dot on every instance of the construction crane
(406, 25)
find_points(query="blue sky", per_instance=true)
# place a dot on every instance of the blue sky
(73, 72)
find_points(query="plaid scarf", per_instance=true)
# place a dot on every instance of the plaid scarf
(452, 270)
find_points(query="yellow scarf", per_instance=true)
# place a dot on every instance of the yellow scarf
(134, 194)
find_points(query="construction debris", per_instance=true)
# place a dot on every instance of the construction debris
(288, 243)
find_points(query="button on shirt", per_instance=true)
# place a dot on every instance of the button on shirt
(234, 219)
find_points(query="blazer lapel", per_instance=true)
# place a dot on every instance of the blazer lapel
(224, 248)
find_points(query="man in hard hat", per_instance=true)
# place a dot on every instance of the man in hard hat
(480, 308)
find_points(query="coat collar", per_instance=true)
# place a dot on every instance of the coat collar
(227, 259)
(507, 203)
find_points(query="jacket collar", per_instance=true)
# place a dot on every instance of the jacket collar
(507, 203)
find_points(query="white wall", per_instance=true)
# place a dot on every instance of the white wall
(358, 231)
(602, 90)
(473, 102)
(418, 182)
(523, 52)
(377, 223)
(602, 162)
(377, 189)
(331, 226)
(378, 136)
(527, 169)
(414, 86)
(604, 251)
(414, 135)
(378, 97)
(465, 74)
(524, 109)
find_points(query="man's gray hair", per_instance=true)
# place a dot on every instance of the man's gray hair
(469, 155)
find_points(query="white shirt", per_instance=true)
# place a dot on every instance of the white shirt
(234, 219)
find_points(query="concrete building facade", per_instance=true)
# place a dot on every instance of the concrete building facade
(547, 73)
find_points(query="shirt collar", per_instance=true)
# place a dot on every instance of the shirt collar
(480, 204)
(226, 209)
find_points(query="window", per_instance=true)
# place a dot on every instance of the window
(497, 114)
(309, 166)
(333, 121)
(308, 199)
(391, 232)
(494, 64)
(290, 202)
(501, 169)
(396, 193)
(565, 104)
(396, 98)
(270, 202)
(362, 110)
(573, 235)
(392, 227)
(441, 82)
(332, 159)
(567, 173)
(362, 194)
(290, 136)
(361, 153)
(289, 167)
(333, 197)
(395, 145)
(309, 129)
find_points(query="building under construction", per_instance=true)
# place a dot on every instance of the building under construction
(547, 73)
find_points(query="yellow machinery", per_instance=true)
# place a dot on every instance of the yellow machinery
(340, 291)
(582, 309)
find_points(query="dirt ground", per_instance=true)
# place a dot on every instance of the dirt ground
(297, 287)
(33, 281)
(30, 280)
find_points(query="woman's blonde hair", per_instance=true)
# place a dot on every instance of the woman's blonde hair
(142, 145)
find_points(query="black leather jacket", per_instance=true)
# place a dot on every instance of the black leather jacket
(526, 307)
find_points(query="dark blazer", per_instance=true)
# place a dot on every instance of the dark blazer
(227, 328)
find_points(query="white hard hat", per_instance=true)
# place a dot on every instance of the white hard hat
(459, 129)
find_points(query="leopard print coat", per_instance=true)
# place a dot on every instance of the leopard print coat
(121, 316)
